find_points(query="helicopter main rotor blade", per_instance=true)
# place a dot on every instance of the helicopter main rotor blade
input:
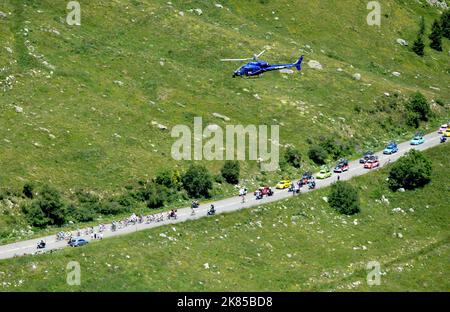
(236, 60)
(256, 56)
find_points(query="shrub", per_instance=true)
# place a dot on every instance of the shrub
(28, 190)
(410, 171)
(293, 157)
(81, 213)
(88, 199)
(334, 147)
(344, 198)
(419, 104)
(47, 209)
(231, 171)
(155, 195)
(197, 181)
(168, 178)
(413, 119)
(317, 154)
(111, 207)
(219, 179)
(35, 216)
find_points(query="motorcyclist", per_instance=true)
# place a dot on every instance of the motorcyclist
(41, 244)
(212, 210)
(443, 139)
(173, 214)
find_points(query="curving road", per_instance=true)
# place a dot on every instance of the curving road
(226, 205)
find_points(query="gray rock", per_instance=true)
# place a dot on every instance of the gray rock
(198, 11)
(315, 65)
(396, 74)
(357, 76)
(402, 42)
(19, 109)
(159, 126)
(401, 190)
(162, 127)
(221, 116)
(286, 71)
(119, 83)
(3, 15)
(438, 3)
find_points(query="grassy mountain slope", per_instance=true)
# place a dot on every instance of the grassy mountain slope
(297, 244)
(81, 129)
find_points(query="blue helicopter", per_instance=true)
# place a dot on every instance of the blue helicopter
(257, 67)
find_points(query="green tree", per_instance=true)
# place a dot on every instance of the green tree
(422, 28)
(436, 36)
(293, 157)
(344, 198)
(197, 181)
(419, 104)
(418, 46)
(445, 24)
(317, 154)
(410, 171)
(230, 171)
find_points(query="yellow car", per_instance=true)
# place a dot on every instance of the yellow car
(283, 184)
(447, 132)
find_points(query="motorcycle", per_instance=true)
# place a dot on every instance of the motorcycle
(172, 215)
(311, 185)
(40, 245)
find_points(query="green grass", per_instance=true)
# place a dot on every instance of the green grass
(66, 86)
(299, 244)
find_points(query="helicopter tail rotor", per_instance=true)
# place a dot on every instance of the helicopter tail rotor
(298, 64)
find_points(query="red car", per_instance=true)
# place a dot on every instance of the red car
(263, 191)
(372, 163)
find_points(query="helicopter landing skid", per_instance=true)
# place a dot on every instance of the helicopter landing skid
(252, 77)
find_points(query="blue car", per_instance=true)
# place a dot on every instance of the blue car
(77, 242)
(417, 140)
(391, 148)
